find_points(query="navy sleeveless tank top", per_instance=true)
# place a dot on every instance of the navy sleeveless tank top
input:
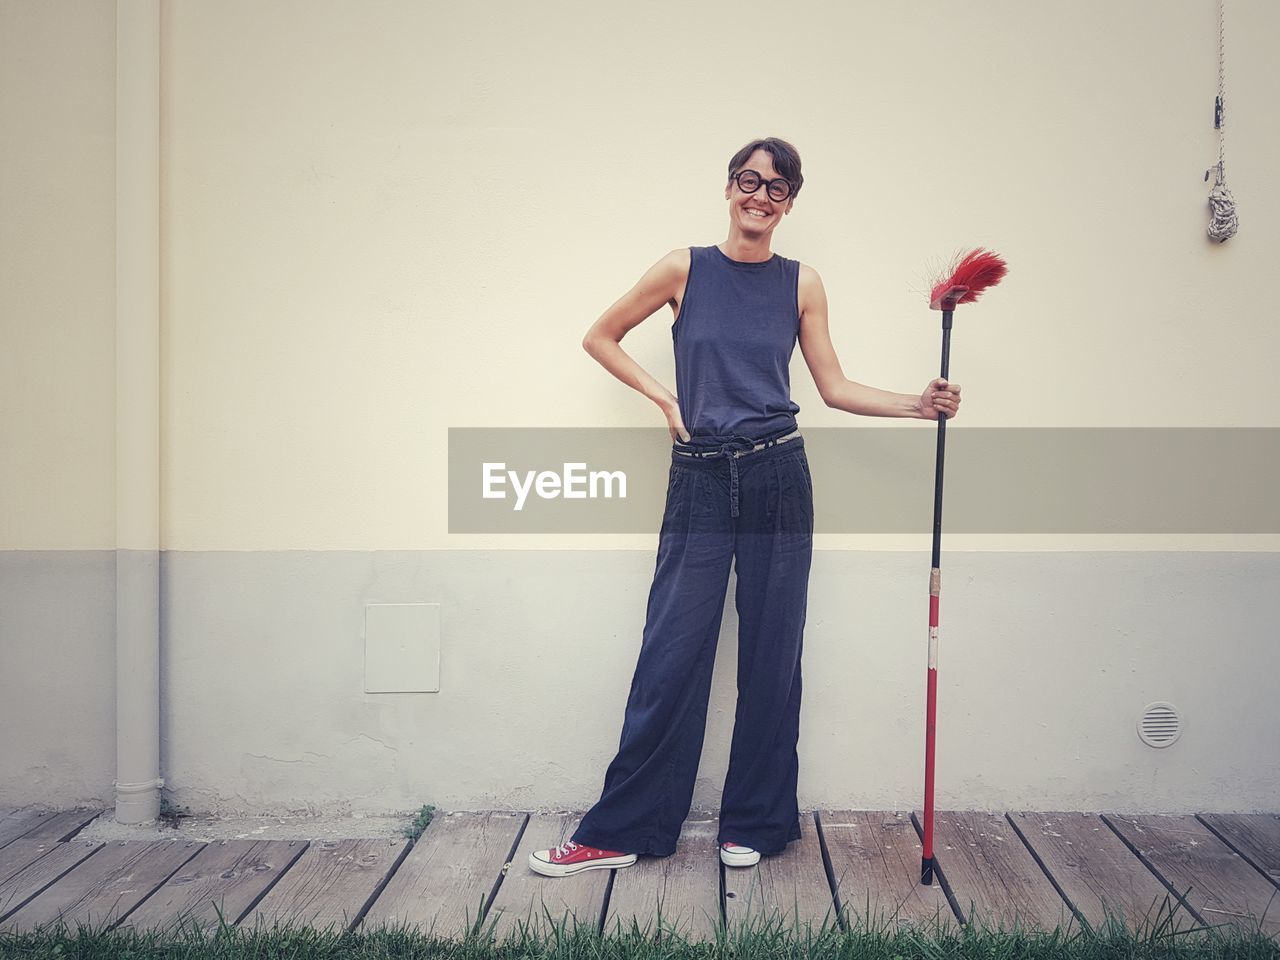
(734, 338)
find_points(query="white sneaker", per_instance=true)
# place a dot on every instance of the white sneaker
(736, 855)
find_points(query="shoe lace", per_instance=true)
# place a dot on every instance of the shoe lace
(563, 849)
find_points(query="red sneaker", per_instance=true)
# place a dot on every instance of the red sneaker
(572, 857)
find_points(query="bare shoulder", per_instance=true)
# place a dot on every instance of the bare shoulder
(669, 273)
(809, 277)
(677, 261)
(668, 277)
(810, 295)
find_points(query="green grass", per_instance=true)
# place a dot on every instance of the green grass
(420, 822)
(762, 938)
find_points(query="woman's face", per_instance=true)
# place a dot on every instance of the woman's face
(756, 213)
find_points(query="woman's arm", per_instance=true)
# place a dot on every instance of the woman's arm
(842, 393)
(662, 283)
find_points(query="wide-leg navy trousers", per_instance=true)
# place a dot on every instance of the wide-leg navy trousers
(756, 513)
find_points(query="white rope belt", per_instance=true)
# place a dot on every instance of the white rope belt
(720, 451)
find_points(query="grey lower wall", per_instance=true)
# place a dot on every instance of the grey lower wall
(1045, 662)
(57, 676)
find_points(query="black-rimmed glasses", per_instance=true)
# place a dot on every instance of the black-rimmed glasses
(749, 182)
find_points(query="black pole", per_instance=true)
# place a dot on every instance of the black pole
(942, 441)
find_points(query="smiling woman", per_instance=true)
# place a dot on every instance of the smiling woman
(770, 162)
(740, 495)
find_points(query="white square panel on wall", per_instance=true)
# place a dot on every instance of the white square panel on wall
(402, 648)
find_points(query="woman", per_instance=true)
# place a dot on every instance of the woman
(739, 494)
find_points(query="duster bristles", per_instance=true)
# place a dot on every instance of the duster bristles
(971, 275)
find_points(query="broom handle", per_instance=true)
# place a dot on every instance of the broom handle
(935, 588)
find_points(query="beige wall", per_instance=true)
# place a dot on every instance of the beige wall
(57, 275)
(381, 221)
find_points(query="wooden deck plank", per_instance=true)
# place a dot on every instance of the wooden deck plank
(226, 876)
(993, 879)
(20, 854)
(1231, 862)
(16, 823)
(789, 889)
(685, 886)
(64, 824)
(1255, 836)
(449, 875)
(328, 886)
(524, 895)
(1219, 885)
(104, 886)
(28, 866)
(1093, 867)
(875, 859)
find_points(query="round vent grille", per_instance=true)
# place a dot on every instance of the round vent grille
(1160, 724)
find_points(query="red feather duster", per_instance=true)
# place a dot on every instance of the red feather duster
(971, 274)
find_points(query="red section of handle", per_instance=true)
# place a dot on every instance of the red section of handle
(929, 730)
(933, 611)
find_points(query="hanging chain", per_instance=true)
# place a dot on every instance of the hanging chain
(1219, 113)
(1224, 222)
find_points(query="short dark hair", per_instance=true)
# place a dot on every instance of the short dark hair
(786, 160)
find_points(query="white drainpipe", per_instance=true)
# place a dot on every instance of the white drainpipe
(138, 778)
